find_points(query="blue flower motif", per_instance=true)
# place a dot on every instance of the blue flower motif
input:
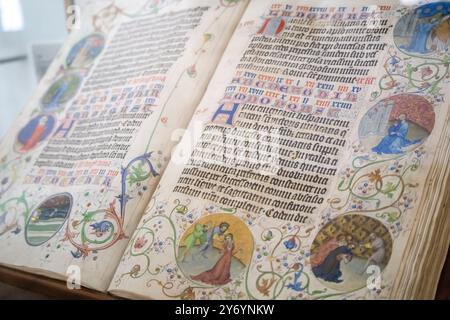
(290, 244)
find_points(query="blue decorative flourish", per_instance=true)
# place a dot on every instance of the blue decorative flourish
(136, 173)
(124, 197)
(290, 243)
(296, 285)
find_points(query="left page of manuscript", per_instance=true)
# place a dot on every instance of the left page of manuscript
(82, 160)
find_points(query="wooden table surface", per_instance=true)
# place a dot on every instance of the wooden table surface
(443, 291)
(55, 289)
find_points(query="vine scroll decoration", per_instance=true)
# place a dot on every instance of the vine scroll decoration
(101, 229)
(420, 77)
(370, 189)
(11, 212)
(146, 239)
(282, 272)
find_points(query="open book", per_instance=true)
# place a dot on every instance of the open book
(314, 164)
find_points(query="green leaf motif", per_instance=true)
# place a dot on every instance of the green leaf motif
(390, 187)
(89, 216)
(392, 217)
(137, 174)
(315, 292)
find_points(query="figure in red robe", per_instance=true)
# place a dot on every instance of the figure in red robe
(36, 136)
(328, 246)
(220, 273)
(323, 251)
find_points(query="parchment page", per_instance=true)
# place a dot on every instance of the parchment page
(302, 171)
(81, 162)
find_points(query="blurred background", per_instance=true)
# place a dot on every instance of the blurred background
(31, 33)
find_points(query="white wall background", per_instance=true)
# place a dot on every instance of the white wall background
(44, 22)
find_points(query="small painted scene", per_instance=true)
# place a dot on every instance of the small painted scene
(397, 125)
(48, 218)
(215, 249)
(344, 249)
(35, 131)
(425, 30)
(60, 92)
(84, 52)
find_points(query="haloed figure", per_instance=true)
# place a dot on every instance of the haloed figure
(396, 139)
(210, 233)
(327, 266)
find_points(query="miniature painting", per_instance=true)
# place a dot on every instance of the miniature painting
(344, 248)
(215, 249)
(48, 218)
(397, 124)
(425, 30)
(35, 131)
(60, 92)
(84, 52)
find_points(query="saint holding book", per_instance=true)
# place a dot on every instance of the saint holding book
(396, 139)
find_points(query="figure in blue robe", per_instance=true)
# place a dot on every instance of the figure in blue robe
(396, 139)
(55, 100)
(419, 39)
(330, 269)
